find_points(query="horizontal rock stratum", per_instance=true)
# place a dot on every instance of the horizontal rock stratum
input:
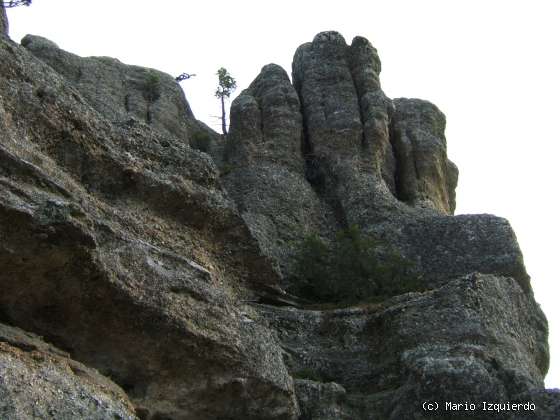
(143, 278)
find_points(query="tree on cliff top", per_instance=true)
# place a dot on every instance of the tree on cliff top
(14, 3)
(226, 85)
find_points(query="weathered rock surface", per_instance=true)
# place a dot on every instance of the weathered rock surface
(479, 336)
(39, 381)
(546, 404)
(126, 92)
(425, 176)
(354, 158)
(345, 117)
(265, 172)
(106, 232)
(165, 269)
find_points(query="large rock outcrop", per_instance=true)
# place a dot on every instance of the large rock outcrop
(354, 157)
(119, 246)
(156, 274)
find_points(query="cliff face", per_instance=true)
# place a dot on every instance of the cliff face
(165, 279)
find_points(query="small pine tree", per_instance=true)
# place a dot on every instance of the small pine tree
(226, 86)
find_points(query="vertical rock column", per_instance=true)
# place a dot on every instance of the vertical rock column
(265, 172)
(376, 109)
(346, 120)
(425, 177)
(266, 122)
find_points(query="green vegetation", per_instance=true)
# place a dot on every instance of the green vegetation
(152, 87)
(354, 268)
(151, 92)
(201, 141)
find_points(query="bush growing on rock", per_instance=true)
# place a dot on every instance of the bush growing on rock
(201, 141)
(353, 268)
(151, 92)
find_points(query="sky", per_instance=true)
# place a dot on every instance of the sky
(492, 66)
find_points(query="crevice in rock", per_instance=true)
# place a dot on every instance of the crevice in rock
(261, 120)
(400, 193)
(276, 302)
(127, 102)
(19, 344)
(323, 183)
(148, 114)
(358, 100)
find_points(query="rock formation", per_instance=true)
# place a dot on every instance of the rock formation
(144, 278)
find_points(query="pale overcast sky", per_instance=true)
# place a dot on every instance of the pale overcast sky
(492, 66)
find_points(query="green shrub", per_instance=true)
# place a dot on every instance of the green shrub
(201, 141)
(151, 90)
(152, 87)
(353, 268)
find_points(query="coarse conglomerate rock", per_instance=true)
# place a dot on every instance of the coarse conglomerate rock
(265, 168)
(425, 175)
(40, 381)
(156, 275)
(459, 340)
(119, 246)
(127, 92)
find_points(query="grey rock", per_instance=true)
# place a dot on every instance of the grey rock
(266, 121)
(425, 176)
(376, 109)
(346, 119)
(119, 246)
(366, 163)
(266, 169)
(40, 381)
(478, 338)
(121, 92)
(321, 401)
(545, 405)
(165, 268)
(444, 248)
